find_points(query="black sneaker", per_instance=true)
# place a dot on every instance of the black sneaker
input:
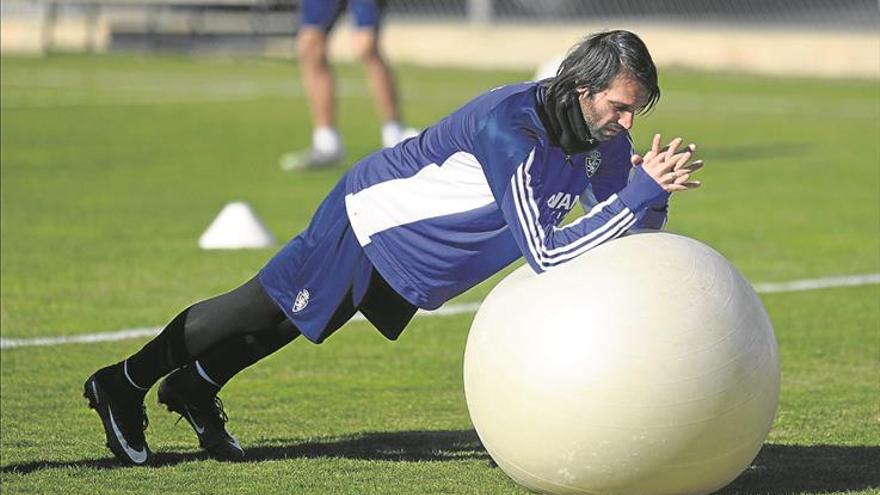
(122, 413)
(184, 393)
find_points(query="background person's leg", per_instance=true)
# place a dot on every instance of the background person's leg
(382, 85)
(317, 19)
(317, 76)
(367, 17)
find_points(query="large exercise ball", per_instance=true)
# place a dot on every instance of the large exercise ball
(647, 365)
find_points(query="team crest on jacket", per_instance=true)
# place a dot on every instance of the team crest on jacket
(301, 301)
(593, 160)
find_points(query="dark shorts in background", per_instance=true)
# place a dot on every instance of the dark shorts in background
(322, 277)
(324, 13)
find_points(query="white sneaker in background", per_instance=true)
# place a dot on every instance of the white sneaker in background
(311, 158)
(393, 133)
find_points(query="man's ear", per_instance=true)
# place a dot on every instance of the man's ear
(583, 91)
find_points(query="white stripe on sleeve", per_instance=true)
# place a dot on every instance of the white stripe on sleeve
(528, 216)
(456, 186)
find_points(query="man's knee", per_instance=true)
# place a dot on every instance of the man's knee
(366, 47)
(311, 45)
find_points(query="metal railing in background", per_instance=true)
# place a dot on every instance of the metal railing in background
(174, 25)
(851, 14)
(246, 25)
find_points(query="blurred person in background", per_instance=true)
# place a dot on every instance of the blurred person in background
(415, 225)
(318, 19)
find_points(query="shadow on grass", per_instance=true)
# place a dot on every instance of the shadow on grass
(754, 152)
(401, 446)
(779, 469)
(406, 446)
(791, 469)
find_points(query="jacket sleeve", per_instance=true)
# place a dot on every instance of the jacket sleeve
(543, 244)
(615, 177)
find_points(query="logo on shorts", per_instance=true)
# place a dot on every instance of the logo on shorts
(592, 162)
(301, 301)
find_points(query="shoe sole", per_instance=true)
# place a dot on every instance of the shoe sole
(292, 164)
(175, 404)
(93, 392)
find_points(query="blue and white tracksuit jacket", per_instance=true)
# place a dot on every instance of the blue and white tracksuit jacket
(443, 211)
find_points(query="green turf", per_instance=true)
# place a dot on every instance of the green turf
(112, 166)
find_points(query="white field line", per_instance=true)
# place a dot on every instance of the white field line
(817, 283)
(133, 333)
(62, 92)
(452, 309)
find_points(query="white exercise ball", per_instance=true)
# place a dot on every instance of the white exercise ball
(647, 365)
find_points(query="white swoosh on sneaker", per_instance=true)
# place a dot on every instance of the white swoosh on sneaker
(236, 444)
(136, 456)
(199, 428)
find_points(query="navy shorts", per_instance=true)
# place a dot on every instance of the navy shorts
(322, 277)
(324, 13)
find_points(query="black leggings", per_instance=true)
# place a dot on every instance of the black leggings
(244, 310)
(232, 331)
(226, 334)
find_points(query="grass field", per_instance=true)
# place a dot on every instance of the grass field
(112, 166)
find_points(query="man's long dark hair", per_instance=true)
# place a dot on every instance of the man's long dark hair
(598, 59)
